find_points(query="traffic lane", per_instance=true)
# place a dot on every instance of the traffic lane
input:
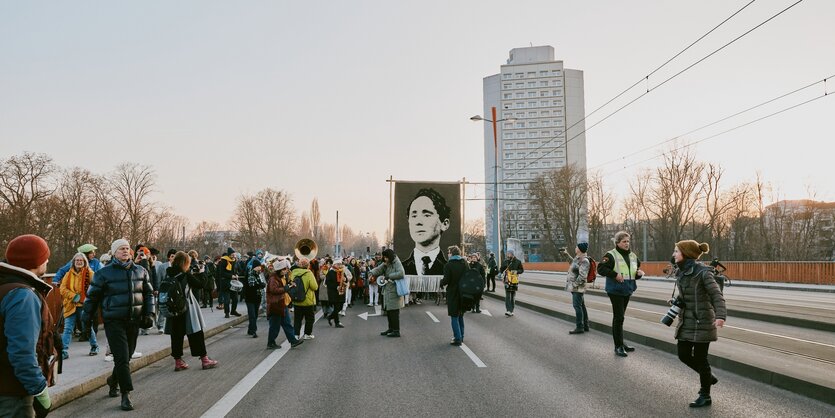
(159, 391)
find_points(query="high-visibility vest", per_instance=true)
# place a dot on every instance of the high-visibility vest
(627, 270)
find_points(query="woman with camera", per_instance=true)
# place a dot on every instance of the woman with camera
(703, 311)
(575, 283)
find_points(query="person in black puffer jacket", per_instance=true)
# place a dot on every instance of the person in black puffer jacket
(124, 292)
(704, 311)
(453, 270)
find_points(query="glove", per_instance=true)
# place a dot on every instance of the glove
(76, 298)
(146, 322)
(42, 403)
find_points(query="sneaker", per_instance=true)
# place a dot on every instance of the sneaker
(370, 305)
(296, 344)
(234, 314)
(94, 350)
(65, 355)
(160, 331)
(456, 343)
(342, 313)
(419, 302)
(339, 326)
(108, 357)
(136, 354)
(507, 314)
(309, 336)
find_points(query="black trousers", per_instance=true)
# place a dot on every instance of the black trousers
(308, 314)
(394, 319)
(619, 303)
(491, 280)
(196, 341)
(334, 315)
(121, 336)
(694, 355)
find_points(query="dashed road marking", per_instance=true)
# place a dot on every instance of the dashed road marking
(472, 356)
(432, 316)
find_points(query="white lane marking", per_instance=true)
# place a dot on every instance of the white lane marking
(432, 316)
(472, 356)
(365, 315)
(231, 398)
(486, 312)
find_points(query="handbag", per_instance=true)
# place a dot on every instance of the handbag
(402, 286)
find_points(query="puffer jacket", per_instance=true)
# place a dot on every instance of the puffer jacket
(393, 271)
(453, 270)
(124, 293)
(575, 281)
(277, 297)
(703, 303)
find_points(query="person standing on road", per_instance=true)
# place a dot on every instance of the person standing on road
(474, 261)
(336, 282)
(73, 292)
(252, 294)
(372, 285)
(704, 311)
(575, 283)
(511, 269)
(123, 290)
(27, 350)
(387, 272)
(492, 271)
(453, 270)
(161, 272)
(621, 268)
(306, 308)
(225, 273)
(278, 314)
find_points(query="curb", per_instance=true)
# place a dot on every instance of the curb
(788, 383)
(93, 383)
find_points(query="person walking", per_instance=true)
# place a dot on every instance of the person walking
(252, 295)
(161, 273)
(123, 290)
(225, 273)
(704, 311)
(575, 282)
(387, 272)
(73, 292)
(304, 310)
(187, 276)
(89, 251)
(324, 300)
(474, 262)
(621, 268)
(27, 350)
(492, 271)
(337, 285)
(453, 270)
(278, 314)
(373, 289)
(511, 270)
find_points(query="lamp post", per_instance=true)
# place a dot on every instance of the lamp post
(494, 121)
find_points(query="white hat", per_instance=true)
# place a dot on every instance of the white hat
(121, 242)
(281, 265)
(338, 261)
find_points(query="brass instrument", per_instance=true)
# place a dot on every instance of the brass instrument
(306, 247)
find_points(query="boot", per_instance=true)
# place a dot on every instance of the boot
(620, 352)
(395, 334)
(127, 405)
(179, 365)
(386, 332)
(114, 387)
(576, 331)
(702, 400)
(208, 363)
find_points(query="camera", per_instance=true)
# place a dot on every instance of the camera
(676, 305)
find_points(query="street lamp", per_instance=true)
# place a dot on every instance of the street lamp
(494, 121)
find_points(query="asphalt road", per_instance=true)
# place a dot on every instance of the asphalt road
(533, 368)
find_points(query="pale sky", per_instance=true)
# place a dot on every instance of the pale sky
(328, 99)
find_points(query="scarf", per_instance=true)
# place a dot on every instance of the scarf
(229, 262)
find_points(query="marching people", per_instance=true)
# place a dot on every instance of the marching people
(337, 284)
(575, 282)
(187, 276)
(387, 272)
(372, 285)
(453, 270)
(207, 299)
(27, 350)
(162, 270)
(73, 292)
(252, 295)
(347, 289)
(89, 251)
(474, 262)
(278, 314)
(143, 258)
(324, 300)
(304, 310)
(225, 273)
(703, 312)
(511, 269)
(123, 290)
(621, 268)
(492, 271)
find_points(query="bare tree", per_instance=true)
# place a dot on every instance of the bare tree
(559, 201)
(474, 238)
(133, 185)
(24, 181)
(601, 213)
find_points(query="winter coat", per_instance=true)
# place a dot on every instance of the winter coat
(577, 274)
(253, 286)
(309, 284)
(703, 303)
(75, 283)
(94, 265)
(277, 297)
(453, 270)
(492, 267)
(393, 271)
(224, 272)
(606, 268)
(192, 320)
(514, 264)
(123, 291)
(333, 287)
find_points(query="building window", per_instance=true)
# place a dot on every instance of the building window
(533, 124)
(519, 105)
(519, 75)
(507, 135)
(531, 84)
(531, 73)
(508, 96)
(545, 113)
(520, 95)
(508, 125)
(520, 115)
(543, 73)
(543, 83)
(531, 114)
(556, 73)
(520, 134)
(545, 103)
(520, 85)
(508, 145)
(531, 94)
(558, 83)
(531, 104)
(506, 76)
(558, 93)
(520, 124)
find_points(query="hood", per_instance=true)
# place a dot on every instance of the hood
(29, 277)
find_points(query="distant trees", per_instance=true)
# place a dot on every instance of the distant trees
(559, 199)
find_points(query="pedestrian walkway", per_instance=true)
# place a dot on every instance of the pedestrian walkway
(83, 374)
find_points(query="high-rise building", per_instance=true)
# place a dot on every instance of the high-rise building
(545, 99)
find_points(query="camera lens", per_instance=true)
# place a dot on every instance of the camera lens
(672, 313)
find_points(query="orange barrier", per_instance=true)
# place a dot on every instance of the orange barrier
(806, 272)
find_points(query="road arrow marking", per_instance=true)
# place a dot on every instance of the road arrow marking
(432, 316)
(365, 315)
(486, 312)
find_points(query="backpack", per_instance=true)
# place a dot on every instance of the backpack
(592, 271)
(471, 287)
(298, 293)
(172, 300)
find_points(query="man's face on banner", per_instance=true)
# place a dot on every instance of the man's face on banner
(425, 225)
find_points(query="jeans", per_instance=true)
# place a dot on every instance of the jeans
(18, 407)
(281, 322)
(306, 313)
(509, 300)
(121, 337)
(694, 355)
(69, 326)
(580, 313)
(457, 327)
(619, 303)
(393, 317)
(223, 299)
(252, 314)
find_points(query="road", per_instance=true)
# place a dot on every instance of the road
(533, 368)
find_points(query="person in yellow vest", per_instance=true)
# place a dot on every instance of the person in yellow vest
(621, 268)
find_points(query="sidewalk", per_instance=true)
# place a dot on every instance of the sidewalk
(83, 374)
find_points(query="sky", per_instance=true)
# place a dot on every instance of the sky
(329, 99)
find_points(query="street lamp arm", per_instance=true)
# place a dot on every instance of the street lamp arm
(477, 118)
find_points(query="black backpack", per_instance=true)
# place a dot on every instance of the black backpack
(172, 299)
(298, 293)
(471, 287)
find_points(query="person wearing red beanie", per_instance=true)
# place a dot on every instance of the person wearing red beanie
(24, 379)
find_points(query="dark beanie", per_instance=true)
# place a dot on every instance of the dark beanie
(389, 253)
(256, 263)
(583, 247)
(230, 251)
(691, 249)
(171, 252)
(27, 252)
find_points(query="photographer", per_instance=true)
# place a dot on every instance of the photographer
(703, 311)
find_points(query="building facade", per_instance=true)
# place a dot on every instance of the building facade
(547, 102)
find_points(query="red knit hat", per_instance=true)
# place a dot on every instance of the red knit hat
(27, 252)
